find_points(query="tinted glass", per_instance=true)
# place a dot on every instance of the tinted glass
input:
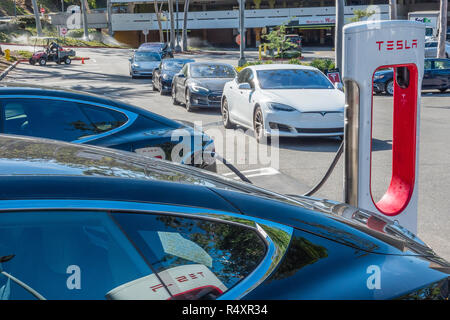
(147, 56)
(173, 65)
(56, 119)
(442, 64)
(427, 64)
(103, 119)
(243, 76)
(66, 255)
(212, 71)
(197, 259)
(293, 79)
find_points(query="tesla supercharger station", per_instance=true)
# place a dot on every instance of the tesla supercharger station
(368, 47)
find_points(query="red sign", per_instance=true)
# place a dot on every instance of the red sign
(334, 77)
(238, 39)
(42, 10)
(63, 31)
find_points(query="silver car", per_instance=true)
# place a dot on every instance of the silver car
(431, 48)
(142, 63)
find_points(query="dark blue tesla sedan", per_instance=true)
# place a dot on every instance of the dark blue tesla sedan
(84, 118)
(84, 222)
(436, 76)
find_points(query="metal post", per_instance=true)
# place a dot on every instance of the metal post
(393, 9)
(38, 19)
(15, 11)
(242, 32)
(109, 14)
(85, 22)
(338, 33)
(177, 47)
(62, 5)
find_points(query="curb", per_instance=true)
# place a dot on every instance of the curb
(5, 73)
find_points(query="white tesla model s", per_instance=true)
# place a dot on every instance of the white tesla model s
(285, 100)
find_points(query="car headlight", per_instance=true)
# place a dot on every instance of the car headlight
(378, 77)
(197, 88)
(275, 106)
(165, 76)
(135, 65)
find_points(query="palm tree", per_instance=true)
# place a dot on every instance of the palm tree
(172, 25)
(158, 17)
(186, 9)
(442, 30)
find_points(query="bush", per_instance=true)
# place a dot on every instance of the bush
(323, 64)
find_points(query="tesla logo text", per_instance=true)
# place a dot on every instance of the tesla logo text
(74, 280)
(190, 276)
(374, 280)
(397, 45)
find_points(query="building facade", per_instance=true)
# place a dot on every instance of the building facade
(216, 22)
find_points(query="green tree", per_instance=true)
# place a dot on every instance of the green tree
(276, 40)
(361, 14)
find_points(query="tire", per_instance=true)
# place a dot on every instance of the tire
(42, 61)
(32, 62)
(390, 87)
(443, 90)
(188, 101)
(153, 86)
(174, 97)
(226, 115)
(67, 60)
(258, 126)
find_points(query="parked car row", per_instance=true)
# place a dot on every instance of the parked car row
(274, 99)
(436, 76)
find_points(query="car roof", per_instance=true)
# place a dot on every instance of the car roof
(42, 169)
(21, 90)
(278, 66)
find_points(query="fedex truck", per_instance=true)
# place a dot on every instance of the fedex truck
(431, 21)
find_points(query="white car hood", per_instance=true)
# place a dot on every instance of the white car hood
(307, 100)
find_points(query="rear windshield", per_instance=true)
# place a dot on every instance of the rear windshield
(293, 79)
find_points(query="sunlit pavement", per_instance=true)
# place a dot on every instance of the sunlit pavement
(302, 162)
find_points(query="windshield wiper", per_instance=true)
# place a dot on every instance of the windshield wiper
(36, 294)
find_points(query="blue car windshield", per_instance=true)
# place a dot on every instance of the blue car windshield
(147, 56)
(212, 71)
(293, 79)
(174, 65)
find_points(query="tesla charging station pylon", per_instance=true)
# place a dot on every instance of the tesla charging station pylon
(368, 47)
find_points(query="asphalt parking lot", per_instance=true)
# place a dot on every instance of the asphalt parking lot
(302, 161)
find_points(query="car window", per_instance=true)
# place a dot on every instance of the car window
(66, 255)
(212, 71)
(243, 76)
(57, 119)
(147, 56)
(197, 259)
(427, 64)
(293, 79)
(441, 64)
(104, 119)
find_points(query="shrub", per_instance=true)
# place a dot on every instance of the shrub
(323, 64)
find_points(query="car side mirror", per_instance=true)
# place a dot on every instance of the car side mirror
(130, 59)
(244, 86)
(339, 86)
(156, 69)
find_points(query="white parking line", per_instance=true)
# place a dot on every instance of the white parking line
(269, 171)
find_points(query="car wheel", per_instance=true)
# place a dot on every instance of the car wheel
(390, 88)
(174, 96)
(226, 115)
(67, 60)
(32, 62)
(443, 90)
(188, 101)
(154, 88)
(446, 55)
(42, 61)
(258, 127)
